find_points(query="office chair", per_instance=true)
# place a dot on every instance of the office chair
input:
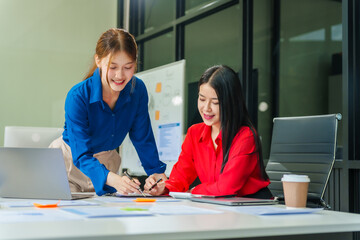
(33, 137)
(303, 145)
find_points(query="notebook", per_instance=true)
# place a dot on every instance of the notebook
(37, 173)
(235, 201)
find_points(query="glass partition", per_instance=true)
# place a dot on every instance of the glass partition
(159, 51)
(310, 58)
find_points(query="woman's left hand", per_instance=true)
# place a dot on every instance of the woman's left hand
(159, 188)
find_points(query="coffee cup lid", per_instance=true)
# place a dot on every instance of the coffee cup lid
(295, 178)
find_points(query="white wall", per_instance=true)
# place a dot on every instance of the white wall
(46, 47)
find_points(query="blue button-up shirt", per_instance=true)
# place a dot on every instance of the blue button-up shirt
(92, 127)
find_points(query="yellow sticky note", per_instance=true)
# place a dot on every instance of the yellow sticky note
(158, 87)
(157, 115)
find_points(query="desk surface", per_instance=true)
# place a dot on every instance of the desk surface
(227, 224)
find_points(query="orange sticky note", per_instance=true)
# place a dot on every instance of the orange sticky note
(144, 200)
(46, 205)
(157, 115)
(158, 87)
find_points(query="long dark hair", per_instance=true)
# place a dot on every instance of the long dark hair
(233, 112)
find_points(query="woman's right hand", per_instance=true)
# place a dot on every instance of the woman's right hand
(123, 184)
(159, 188)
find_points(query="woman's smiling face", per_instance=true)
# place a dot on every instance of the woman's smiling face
(121, 70)
(208, 105)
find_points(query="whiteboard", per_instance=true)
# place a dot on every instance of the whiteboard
(165, 86)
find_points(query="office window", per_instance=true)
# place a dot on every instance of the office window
(261, 61)
(310, 38)
(159, 51)
(216, 39)
(310, 58)
(157, 13)
(193, 5)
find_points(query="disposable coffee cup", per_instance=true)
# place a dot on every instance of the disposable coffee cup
(295, 190)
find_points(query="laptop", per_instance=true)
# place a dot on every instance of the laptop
(37, 173)
(235, 201)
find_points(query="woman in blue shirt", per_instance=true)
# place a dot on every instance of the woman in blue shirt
(100, 111)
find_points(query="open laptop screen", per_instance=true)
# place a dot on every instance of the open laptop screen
(37, 173)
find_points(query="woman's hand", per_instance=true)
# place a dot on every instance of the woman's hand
(159, 188)
(123, 184)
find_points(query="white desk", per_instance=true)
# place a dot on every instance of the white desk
(227, 225)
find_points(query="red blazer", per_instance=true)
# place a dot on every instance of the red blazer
(198, 158)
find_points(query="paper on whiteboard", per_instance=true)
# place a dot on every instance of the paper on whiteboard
(169, 141)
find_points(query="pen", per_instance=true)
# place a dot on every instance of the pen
(155, 184)
(126, 173)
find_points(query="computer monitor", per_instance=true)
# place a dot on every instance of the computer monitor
(33, 137)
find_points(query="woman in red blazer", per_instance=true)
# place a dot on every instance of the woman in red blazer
(224, 151)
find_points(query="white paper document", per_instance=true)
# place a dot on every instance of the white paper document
(169, 141)
(137, 210)
(62, 203)
(37, 215)
(103, 212)
(271, 210)
(180, 210)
